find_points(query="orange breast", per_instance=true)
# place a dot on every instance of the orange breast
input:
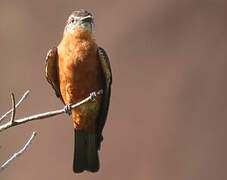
(79, 75)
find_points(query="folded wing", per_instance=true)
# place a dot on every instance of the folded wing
(52, 71)
(106, 69)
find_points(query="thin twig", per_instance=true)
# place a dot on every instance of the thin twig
(13, 108)
(10, 160)
(49, 114)
(17, 105)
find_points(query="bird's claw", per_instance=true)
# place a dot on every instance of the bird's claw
(93, 96)
(68, 109)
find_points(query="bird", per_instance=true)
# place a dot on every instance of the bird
(76, 68)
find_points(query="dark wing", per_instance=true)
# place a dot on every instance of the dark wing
(52, 70)
(105, 64)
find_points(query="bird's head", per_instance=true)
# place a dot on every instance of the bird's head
(80, 19)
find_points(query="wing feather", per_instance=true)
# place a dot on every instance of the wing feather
(52, 71)
(106, 69)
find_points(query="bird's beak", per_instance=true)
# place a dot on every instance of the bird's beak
(88, 18)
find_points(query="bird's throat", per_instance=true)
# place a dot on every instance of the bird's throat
(80, 33)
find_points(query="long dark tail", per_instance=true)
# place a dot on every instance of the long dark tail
(85, 152)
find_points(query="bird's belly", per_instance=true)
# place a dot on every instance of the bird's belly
(78, 78)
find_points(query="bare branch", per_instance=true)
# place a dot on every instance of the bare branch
(10, 160)
(9, 124)
(17, 105)
(13, 108)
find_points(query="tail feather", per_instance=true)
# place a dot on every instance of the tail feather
(92, 153)
(85, 152)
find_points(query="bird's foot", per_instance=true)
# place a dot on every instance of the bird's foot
(93, 96)
(68, 109)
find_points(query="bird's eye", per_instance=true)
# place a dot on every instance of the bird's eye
(72, 20)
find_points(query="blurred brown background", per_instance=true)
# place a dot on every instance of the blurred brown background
(168, 113)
